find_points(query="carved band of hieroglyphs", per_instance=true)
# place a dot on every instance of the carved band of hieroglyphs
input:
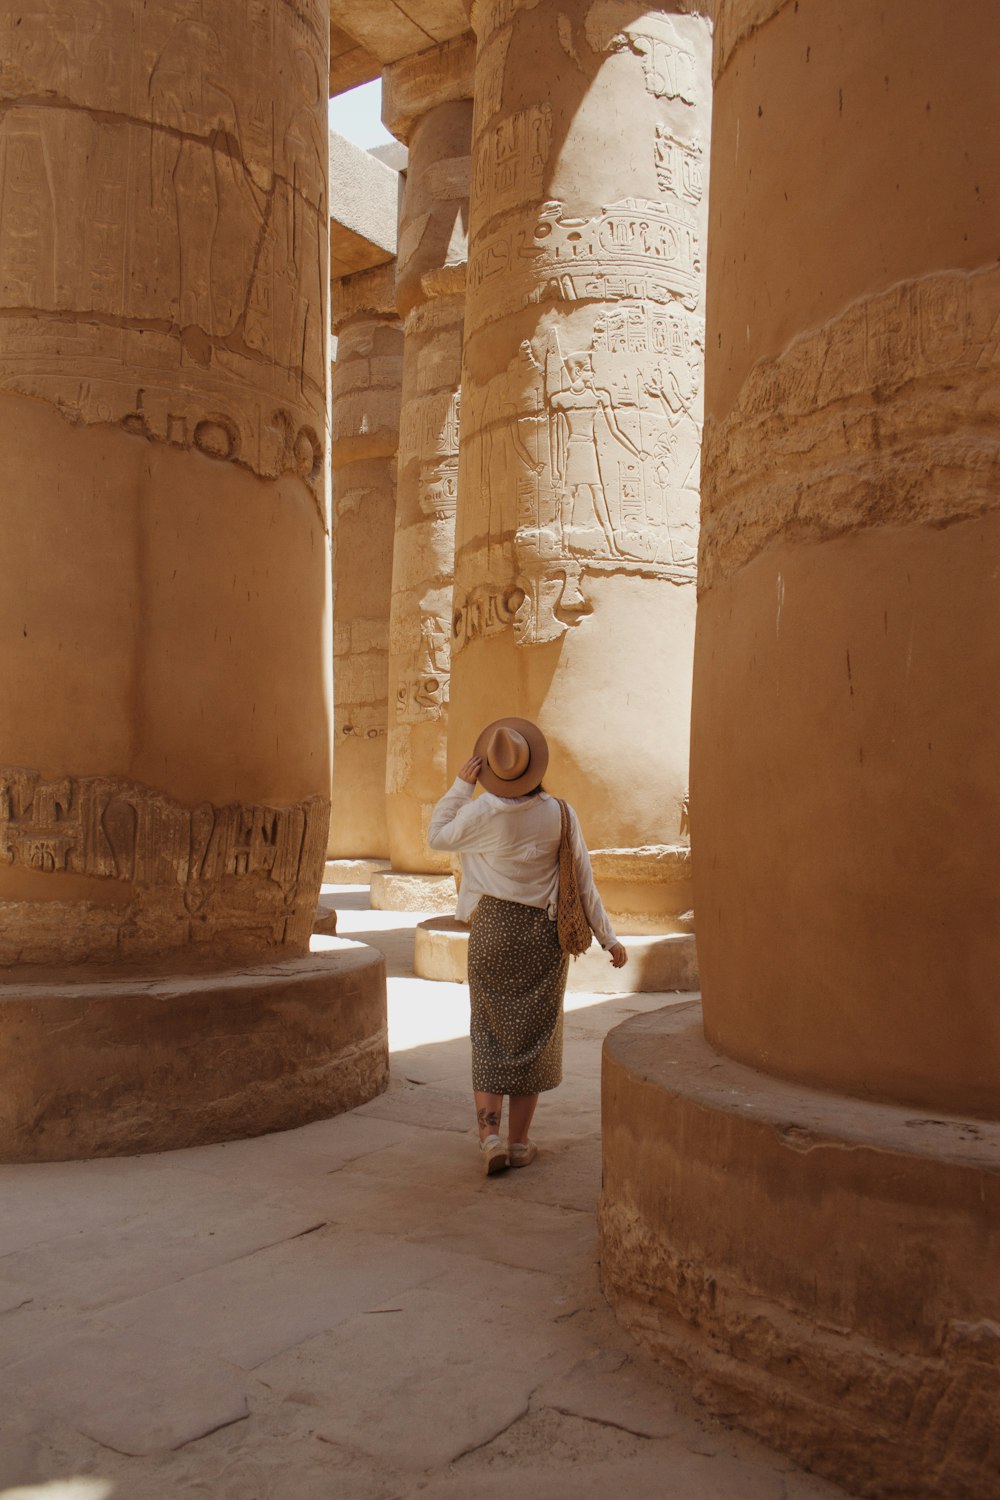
(875, 419)
(429, 426)
(633, 250)
(120, 830)
(423, 670)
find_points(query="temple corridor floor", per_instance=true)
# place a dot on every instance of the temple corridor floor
(349, 1311)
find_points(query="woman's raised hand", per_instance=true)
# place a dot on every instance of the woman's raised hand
(470, 771)
(619, 955)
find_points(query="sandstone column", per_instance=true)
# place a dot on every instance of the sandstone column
(164, 742)
(581, 419)
(365, 414)
(845, 755)
(426, 102)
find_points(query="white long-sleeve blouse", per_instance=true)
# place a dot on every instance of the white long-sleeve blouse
(510, 849)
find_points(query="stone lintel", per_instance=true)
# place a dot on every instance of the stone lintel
(364, 207)
(114, 1062)
(820, 1269)
(418, 84)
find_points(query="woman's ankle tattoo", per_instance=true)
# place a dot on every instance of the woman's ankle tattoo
(490, 1117)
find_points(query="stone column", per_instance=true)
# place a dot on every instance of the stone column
(164, 745)
(581, 420)
(845, 754)
(427, 103)
(365, 405)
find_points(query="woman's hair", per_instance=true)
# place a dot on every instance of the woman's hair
(535, 790)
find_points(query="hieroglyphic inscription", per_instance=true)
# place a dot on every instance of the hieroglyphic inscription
(669, 69)
(509, 159)
(163, 223)
(240, 867)
(636, 249)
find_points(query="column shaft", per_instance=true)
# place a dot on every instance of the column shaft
(365, 436)
(430, 107)
(163, 356)
(581, 420)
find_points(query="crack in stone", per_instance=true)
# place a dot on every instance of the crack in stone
(477, 1447)
(565, 1411)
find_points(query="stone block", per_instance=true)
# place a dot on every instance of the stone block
(352, 871)
(364, 206)
(392, 892)
(818, 1268)
(665, 962)
(119, 1061)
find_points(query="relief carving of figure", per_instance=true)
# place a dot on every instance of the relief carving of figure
(578, 413)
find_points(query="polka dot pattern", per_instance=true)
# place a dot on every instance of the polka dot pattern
(517, 979)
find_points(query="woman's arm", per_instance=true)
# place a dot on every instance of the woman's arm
(457, 823)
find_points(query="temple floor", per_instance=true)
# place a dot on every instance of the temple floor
(349, 1311)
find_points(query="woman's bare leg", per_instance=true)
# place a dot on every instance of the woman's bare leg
(488, 1108)
(519, 1113)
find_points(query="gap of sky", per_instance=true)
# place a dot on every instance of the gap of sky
(357, 115)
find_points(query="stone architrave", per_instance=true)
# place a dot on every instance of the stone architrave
(427, 103)
(164, 742)
(365, 406)
(581, 416)
(842, 1295)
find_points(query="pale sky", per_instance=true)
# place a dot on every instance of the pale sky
(357, 115)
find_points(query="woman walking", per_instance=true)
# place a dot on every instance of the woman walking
(509, 839)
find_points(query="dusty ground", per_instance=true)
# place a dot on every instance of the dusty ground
(349, 1311)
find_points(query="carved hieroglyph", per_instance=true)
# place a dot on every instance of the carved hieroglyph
(365, 406)
(431, 282)
(163, 222)
(163, 376)
(230, 877)
(582, 382)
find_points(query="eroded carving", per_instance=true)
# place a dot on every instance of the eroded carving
(669, 69)
(187, 156)
(205, 872)
(890, 389)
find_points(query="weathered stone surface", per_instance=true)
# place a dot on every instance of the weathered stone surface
(352, 871)
(128, 1392)
(364, 205)
(364, 438)
(393, 892)
(857, 1323)
(664, 962)
(581, 408)
(146, 1061)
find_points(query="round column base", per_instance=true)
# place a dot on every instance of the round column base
(392, 892)
(668, 962)
(353, 871)
(821, 1270)
(112, 1063)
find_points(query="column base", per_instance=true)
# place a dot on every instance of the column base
(353, 871)
(393, 892)
(668, 962)
(108, 1063)
(821, 1270)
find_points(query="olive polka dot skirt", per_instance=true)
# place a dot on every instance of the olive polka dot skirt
(517, 978)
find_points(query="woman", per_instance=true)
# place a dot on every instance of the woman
(509, 842)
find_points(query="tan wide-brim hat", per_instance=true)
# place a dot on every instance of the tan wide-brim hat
(514, 756)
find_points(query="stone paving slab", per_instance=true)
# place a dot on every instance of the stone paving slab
(413, 1382)
(421, 1104)
(252, 1309)
(129, 1392)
